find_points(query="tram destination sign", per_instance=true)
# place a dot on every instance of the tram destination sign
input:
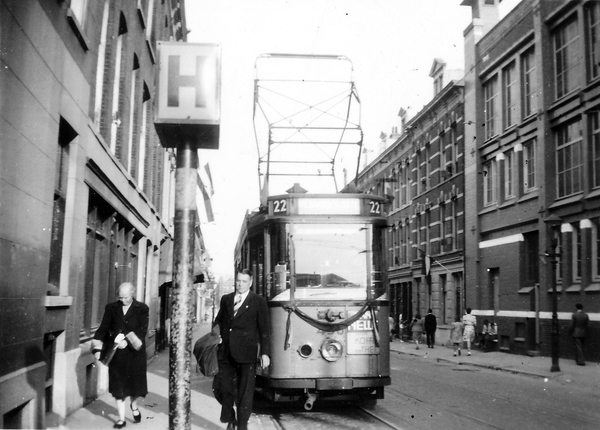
(360, 337)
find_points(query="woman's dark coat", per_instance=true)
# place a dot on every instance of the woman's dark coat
(127, 369)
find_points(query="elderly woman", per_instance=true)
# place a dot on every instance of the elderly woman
(120, 342)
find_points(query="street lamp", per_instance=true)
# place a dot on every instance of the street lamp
(553, 222)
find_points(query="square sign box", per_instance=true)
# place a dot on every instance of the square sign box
(188, 105)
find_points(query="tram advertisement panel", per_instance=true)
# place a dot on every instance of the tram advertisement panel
(361, 337)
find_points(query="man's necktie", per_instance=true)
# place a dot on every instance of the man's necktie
(237, 304)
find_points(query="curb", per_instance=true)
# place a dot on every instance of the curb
(484, 366)
(499, 368)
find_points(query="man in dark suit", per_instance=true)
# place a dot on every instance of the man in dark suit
(579, 329)
(243, 320)
(430, 328)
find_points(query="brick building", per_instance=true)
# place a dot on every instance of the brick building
(422, 174)
(86, 191)
(532, 99)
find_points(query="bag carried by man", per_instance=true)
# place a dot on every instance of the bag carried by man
(205, 351)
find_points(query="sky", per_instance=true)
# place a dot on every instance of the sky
(392, 45)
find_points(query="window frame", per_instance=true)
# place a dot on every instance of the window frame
(510, 95)
(490, 173)
(529, 84)
(491, 107)
(509, 174)
(566, 57)
(572, 175)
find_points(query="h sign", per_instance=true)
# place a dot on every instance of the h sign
(188, 83)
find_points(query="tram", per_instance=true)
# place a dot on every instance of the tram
(318, 260)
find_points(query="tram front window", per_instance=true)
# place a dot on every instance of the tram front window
(330, 260)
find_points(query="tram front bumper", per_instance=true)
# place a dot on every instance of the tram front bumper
(330, 383)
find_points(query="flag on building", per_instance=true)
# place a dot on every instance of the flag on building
(207, 190)
(426, 267)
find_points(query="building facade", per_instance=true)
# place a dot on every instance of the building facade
(421, 172)
(86, 191)
(532, 170)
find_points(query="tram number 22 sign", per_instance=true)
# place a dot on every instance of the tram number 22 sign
(375, 207)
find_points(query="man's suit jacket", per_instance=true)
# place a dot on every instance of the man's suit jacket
(579, 324)
(244, 332)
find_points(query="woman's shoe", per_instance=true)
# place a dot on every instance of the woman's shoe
(119, 424)
(137, 415)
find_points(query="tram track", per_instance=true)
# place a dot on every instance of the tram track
(332, 418)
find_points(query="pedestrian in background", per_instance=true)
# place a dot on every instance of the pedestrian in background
(456, 335)
(416, 326)
(392, 328)
(469, 321)
(578, 330)
(243, 320)
(430, 328)
(123, 333)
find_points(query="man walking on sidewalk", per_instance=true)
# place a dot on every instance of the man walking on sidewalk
(243, 319)
(430, 328)
(579, 329)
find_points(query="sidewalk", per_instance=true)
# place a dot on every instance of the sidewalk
(584, 377)
(205, 410)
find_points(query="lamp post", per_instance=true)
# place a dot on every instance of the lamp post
(552, 222)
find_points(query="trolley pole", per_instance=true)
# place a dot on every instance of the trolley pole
(183, 287)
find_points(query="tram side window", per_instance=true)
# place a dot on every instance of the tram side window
(379, 264)
(256, 263)
(279, 278)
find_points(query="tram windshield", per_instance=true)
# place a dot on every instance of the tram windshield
(330, 261)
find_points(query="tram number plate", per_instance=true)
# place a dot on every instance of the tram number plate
(361, 338)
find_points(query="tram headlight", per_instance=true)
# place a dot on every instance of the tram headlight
(331, 349)
(305, 350)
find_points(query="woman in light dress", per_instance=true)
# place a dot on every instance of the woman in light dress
(469, 321)
(416, 326)
(456, 335)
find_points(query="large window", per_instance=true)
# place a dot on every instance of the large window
(333, 257)
(593, 25)
(490, 175)
(568, 159)
(529, 84)
(566, 57)
(492, 110)
(529, 151)
(595, 121)
(596, 250)
(509, 174)
(510, 98)
(65, 135)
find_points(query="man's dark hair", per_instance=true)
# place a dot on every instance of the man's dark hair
(429, 311)
(246, 272)
(579, 306)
